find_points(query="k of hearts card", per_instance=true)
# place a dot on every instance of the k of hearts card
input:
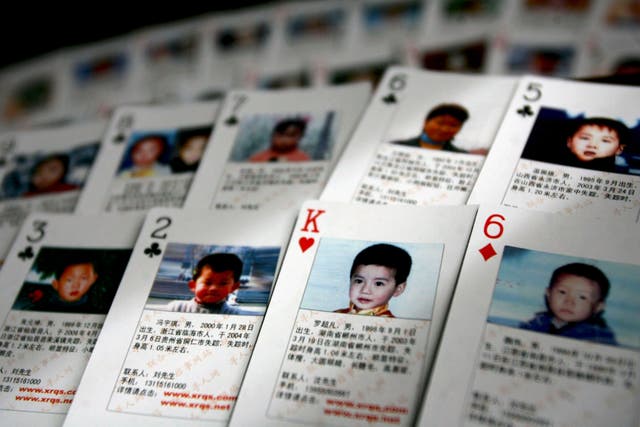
(276, 149)
(183, 324)
(355, 316)
(58, 283)
(149, 156)
(422, 139)
(543, 327)
(567, 147)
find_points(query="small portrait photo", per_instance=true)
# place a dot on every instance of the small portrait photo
(541, 60)
(439, 130)
(370, 72)
(469, 57)
(101, 68)
(326, 25)
(147, 154)
(45, 173)
(248, 38)
(214, 279)
(605, 144)
(29, 96)
(374, 278)
(458, 10)
(181, 49)
(296, 137)
(294, 79)
(189, 148)
(566, 296)
(73, 280)
(380, 16)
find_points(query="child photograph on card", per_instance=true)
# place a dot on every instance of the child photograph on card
(214, 279)
(163, 152)
(599, 143)
(41, 173)
(296, 137)
(72, 280)
(394, 280)
(569, 297)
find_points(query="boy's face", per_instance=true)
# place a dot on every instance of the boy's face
(442, 128)
(594, 142)
(47, 174)
(212, 287)
(75, 281)
(286, 141)
(191, 151)
(146, 152)
(574, 298)
(373, 286)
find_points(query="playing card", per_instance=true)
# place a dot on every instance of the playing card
(567, 147)
(467, 54)
(367, 63)
(355, 316)
(171, 57)
(387, 23)
(543, 327)
(43, 170)
(32, 93)
(275, 148)
(56, 287)
(312, 29)
(183, 324)
(239, 40)
(101, 76)
(422, 139)
(148, 157)
(451, 20)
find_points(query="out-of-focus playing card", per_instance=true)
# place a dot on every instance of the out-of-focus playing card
(568, 147)
(355, 316)
(148, 157)
(43, 170)
(275, 149)
(56, 287)
(543, 327)
(422, 139)
(183, 324)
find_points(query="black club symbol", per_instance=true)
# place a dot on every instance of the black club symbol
(27, 253)
(525, 111)
(153, 250)
(231, 121)
(389, 99)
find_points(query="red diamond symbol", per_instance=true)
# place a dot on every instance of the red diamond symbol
(487, 251)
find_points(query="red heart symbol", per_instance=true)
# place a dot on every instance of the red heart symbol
(306, 242)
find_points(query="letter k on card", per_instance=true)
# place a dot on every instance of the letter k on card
(310, 226)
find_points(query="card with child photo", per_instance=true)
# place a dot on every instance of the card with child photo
(422, 139)
(184, 322)
(553, 333)
(355, 315)
(275, 149)
(44, 170)
(570, 154)
(56, 287)
(149, 157)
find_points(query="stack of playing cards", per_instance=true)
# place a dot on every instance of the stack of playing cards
(471, 258)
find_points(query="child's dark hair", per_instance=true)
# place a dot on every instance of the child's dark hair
(184, 135)
(69, 257)
(454, 110)
(387, 256)
(157, 136)
(624, 135)
(282, 125)
(220, 262)
(583, 270)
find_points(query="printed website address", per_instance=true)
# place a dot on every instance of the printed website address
(182, 400)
